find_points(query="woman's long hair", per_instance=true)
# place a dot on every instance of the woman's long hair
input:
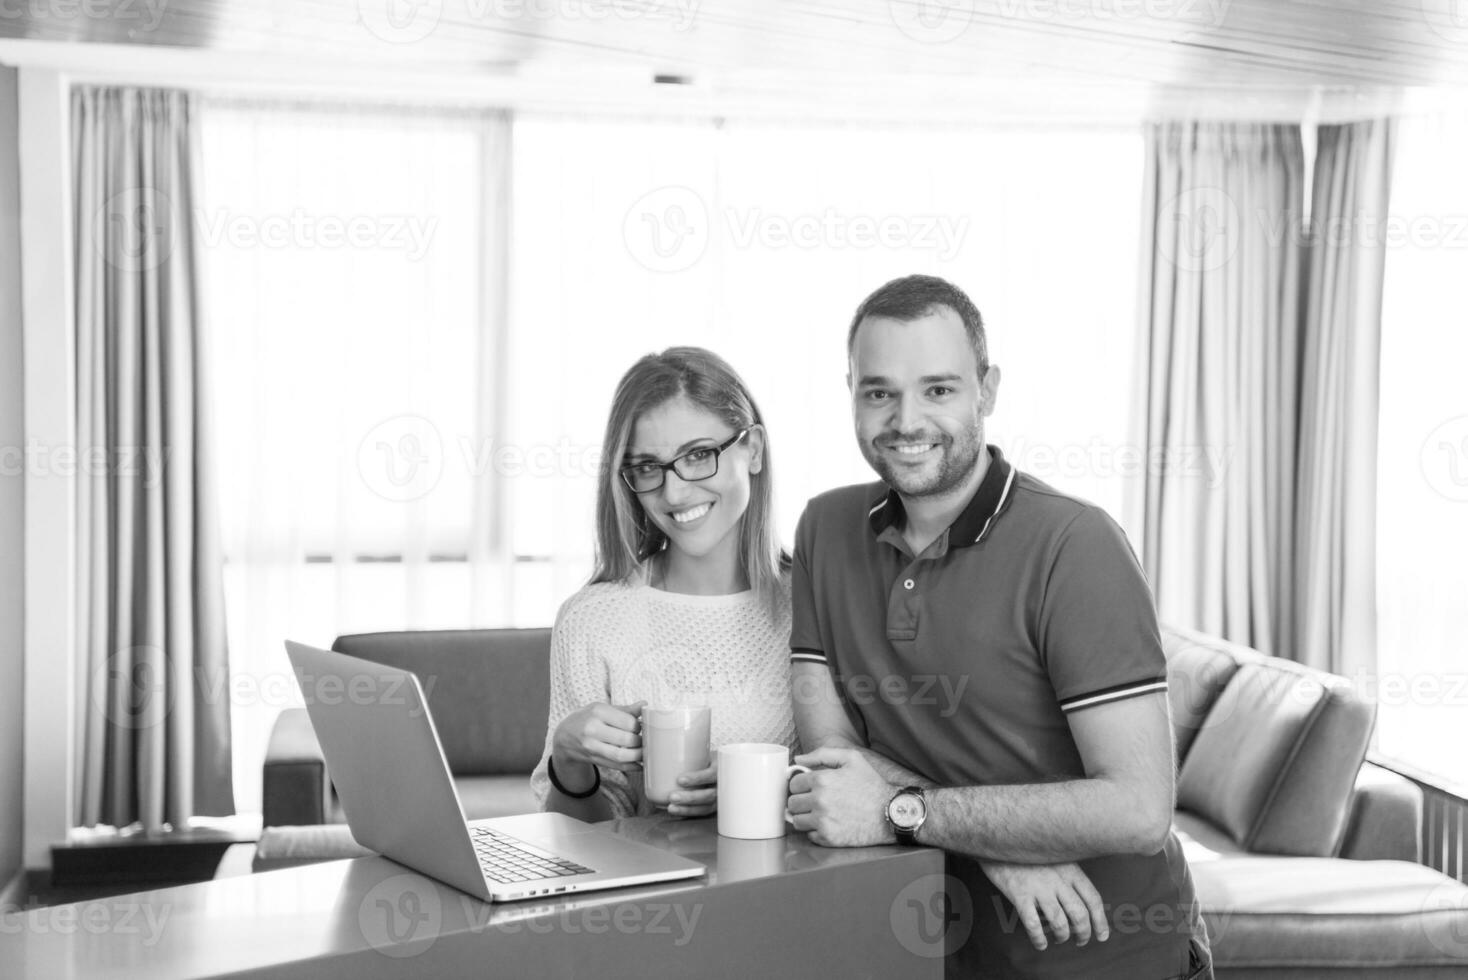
(625, 536)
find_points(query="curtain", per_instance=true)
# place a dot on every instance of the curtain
(1215, 387)
(150, 618)
(358, 261)
(1335, 537)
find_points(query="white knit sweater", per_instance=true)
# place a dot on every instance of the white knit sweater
(626, 642)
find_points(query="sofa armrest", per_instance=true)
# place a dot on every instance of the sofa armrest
(1386, 818)
(295, 786)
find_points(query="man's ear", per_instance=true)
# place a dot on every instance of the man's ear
(756, 439)
(989, 390)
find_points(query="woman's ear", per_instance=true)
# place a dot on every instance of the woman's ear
(756, 448)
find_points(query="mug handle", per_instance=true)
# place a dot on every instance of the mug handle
(790, 773)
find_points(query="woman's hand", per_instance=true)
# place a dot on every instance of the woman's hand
(696, 795)
(597, 735)
(1058, 895)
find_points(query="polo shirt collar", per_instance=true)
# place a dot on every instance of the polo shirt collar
(975, 519)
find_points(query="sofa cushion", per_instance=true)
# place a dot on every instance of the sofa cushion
(1278, 913)
(1276, 758)
(495, 796)
(489, 690)
(289, 847)
(1198, 669)
(481, 797)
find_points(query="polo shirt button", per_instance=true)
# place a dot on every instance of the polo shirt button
(908, 584)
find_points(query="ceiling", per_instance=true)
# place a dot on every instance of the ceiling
(1226, 48)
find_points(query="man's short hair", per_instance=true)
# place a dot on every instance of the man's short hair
(911, 297)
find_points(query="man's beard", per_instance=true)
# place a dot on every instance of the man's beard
(958, 457)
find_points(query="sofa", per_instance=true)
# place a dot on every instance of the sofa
(1305, 857)
(488, 691)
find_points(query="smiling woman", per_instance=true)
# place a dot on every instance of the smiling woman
(690, 602)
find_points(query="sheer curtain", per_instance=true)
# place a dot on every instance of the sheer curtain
(1216, 381)
(1336, 511)
(1421, 680)
(356, 290)
(759, 241)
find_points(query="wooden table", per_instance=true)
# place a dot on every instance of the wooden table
(766, 909)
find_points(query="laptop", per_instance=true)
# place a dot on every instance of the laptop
(388, 766)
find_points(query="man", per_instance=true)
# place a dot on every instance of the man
(977, 667)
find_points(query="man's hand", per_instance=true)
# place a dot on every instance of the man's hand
(1059, 895)
(843, 803)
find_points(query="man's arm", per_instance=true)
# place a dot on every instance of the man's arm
(821, 722)
(1123, 805)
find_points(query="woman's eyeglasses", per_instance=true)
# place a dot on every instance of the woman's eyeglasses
(696, 464)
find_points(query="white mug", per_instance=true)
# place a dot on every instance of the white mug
(754, 786)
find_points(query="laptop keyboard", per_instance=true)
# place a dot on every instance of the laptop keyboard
(505, 859)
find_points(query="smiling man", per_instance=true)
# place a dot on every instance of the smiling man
(1049, 778)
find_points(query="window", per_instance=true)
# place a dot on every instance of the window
(1422, 486)
(395, 459)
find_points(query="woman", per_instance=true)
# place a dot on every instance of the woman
(690, 600)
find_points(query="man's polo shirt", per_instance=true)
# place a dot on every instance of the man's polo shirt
(963, 663)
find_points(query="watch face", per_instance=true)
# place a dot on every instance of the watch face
(907, 810)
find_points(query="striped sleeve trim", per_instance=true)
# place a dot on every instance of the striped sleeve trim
(1118, 693)
(807, 655)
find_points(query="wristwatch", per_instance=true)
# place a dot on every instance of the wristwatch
(906, 812)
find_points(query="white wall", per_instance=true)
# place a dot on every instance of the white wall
(12, 485)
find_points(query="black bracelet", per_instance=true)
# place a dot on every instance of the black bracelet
(550, 770)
